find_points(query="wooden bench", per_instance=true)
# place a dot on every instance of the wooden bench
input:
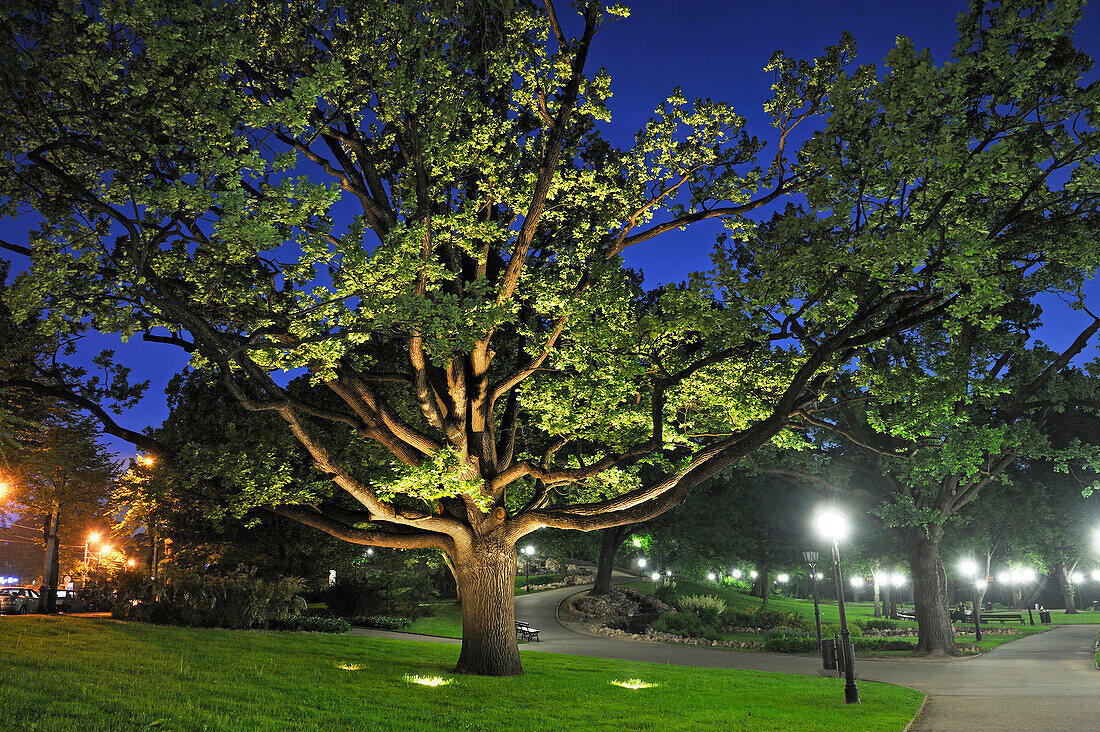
(1001, 617)
(525, 631)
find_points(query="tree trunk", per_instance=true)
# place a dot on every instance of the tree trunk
(1067, 588)
(878, 607)
(612, 538)
(486, 576)
(935, 635)
(47, 602)
(761, 587)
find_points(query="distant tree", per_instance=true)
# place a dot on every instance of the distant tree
(62, 474)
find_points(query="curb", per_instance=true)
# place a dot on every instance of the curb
(920, 713)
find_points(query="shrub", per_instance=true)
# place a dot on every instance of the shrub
(665, 591)
(762, 618)
(882, 644)
(790, 640)
(372, 596)
(686, 624)
(384, 622)
(707, 607)
(308, 624)
(831, 629)
(237, 600)
(876, 623)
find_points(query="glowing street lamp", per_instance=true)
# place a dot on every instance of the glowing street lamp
(529, 551)
(811, 559)
(641, 562)
(736, 574)
(783, 578)
(712, 576)
(969, 568)
(834, 526)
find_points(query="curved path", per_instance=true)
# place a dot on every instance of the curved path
(1044, 681)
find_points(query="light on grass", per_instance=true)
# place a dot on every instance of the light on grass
(350, 666)
(427, 680)
(634, 684)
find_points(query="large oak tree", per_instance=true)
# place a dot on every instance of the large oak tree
(412, 203)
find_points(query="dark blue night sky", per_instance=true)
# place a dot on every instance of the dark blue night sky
(709, 49)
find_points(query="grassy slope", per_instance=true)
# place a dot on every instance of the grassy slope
(64, 674)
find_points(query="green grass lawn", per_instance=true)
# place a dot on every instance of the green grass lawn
(445, 621)
(62, 674)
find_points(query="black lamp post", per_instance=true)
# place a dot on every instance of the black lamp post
(970, 568)
(528, 550)
(811, 559)
(834, 526)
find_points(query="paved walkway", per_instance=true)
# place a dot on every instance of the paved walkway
(1044, 681)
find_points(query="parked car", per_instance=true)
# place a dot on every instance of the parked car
(19, 600)
(68, 601)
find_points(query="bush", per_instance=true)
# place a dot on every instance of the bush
(707, 607)
(831, 629)
(308, 624)
(876, 623)
(189, 598)
(665, 591)
(882, 644)
(685, 624)
(765, 619)
(372, 596)
(383, 622)
(790, 640)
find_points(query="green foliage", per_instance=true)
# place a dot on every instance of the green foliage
(385, 622)
(763, 618)
(873, 624)
(237, 600)
(373, 595)
(707, 607)
(790, 640)
(831, 629)
(686, 624)
(309, 624)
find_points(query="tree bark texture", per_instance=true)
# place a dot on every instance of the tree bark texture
(935, 634)
(486, 581)
(47, 602)
(1067, 588)
(611, 540)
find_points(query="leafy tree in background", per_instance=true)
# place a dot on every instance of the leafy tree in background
(933, 421)
(62, 477)
(411, 202)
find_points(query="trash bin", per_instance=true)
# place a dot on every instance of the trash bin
(1044, 616)
(828, 653)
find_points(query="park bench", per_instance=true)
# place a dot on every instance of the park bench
(525, 631)
(1001, 617)
(905, 616)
